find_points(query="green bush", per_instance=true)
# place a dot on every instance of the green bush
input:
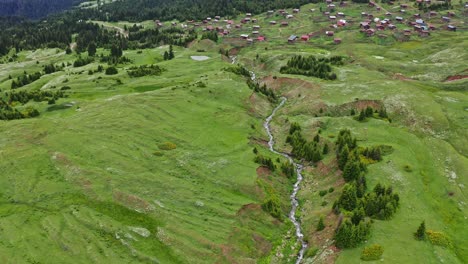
(167, 146)
(331, 190)
(323, 193)
(373, 252)
(111, 71)
(438, 239)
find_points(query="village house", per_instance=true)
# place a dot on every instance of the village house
(248, 14)
(332, 17)
(391, 26)
(424, 33)
(451, 14)
(420, 22)
(244, 36)
(256, 27)
(289, 16)
(273, 23)
(238, 26)
(445, 19)
(433, 13)
(399, 19)
(452, 28)
(284, 24)
(341, 23)
(370, 32)
(295, 11)
(371, 4)
(292, 39)
(270, 12)
(388, 14)
(363, 14)
(255, 32)
(337, 41)
(331, 6)
(432, 27)
(340, 14)
(403, 6)
(261, 38)
(328, 1)
(364, 25)
(249, 41)
(217, 17)
(305, 37)
(378, 8)
(343, 3)
(329, 33)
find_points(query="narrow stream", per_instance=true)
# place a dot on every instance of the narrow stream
(299, 167)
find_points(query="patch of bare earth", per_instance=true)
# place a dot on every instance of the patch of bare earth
(132, 201)
(456, 78)
(401, 77)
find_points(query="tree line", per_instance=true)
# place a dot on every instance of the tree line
(312, 66)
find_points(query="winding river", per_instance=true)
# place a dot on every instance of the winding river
(299, 167)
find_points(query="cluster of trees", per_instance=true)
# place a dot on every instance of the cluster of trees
(25, 79)
(288, 169)
(310, 151)
(263, 89)
(380, 203)
(369, 112)
(264, 161)
(239, 70)
(51, 68)
(34, 9)
(7, 112)
(38, 96)
(182, 10)
(272, 203)
(212, 35)
(169, 55)
(155, 37)
(58, 30)
(82, 61)
(373, 153)
(445, 5)
(145, 70)
(312, 66)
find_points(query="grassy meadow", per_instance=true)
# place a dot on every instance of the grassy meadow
(160, 169)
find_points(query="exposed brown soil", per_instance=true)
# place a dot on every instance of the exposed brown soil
(401, 77)
(262, 172)
(456, 78)
(132, 201)
(259, 141)
(263, 246)
(248, 208)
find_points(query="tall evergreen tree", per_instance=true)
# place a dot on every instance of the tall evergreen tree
(421, 232)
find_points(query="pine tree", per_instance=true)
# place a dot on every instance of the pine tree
(325, 149)
(321, 224)
(362, 116)
(166, 55)
(171, 52)
(92, 49)
(421, 232)
(348, 199)
(343, 157)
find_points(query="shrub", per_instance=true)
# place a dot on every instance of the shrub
(323, 193)
(438, 239)
(331, 190)
(167, 146)
(373, 252)
(158, 153)
(321, 224)
(111, 71)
